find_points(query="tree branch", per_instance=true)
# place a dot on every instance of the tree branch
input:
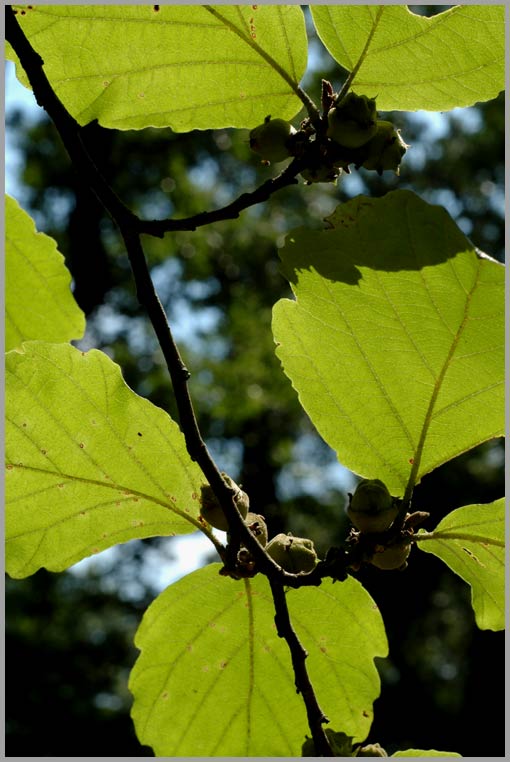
(70, 133)
(229, 212)
(284, 628)
(130, 228)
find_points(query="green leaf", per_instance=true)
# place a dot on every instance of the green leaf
(214, 679)
(181, 66)
(471, 540)
(410, 62)
(38, 299)
(428, 753)
(395, 342)
(89, 463)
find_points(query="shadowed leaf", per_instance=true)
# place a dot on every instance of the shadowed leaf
(395, 341)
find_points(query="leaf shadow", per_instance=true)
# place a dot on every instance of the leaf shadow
(398, 232)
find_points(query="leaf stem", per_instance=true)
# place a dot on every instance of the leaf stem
(231, 211)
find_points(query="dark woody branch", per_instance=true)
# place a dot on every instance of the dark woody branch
(131, 228)
(71, 134)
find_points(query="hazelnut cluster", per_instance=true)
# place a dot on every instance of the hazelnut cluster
(373, 510)
(349, 133)
(293, 554)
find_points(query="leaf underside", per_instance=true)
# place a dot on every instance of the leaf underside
(38, 299)
(214, 679)
(471, 540)
(395, 341)
(409, 62)
(89, 463)
(177, 66)
(422, 753)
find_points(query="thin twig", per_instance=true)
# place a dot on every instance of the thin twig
(229, 212)
(70, 133)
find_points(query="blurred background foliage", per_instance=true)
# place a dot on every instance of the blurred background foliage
(71, 635)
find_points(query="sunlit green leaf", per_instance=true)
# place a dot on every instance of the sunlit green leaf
(471, 540)
(89, 463)
(410, 62)
(428, 753)
(395, 342)
(214, 679)
(181, 66)
(38, 299)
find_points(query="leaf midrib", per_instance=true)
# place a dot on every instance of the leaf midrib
(126, 491)
(415, 468)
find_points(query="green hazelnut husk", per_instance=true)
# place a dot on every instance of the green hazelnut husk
(324, 173)
(212, 512)
(293, 554)
(385, 150)
(393, 557)
(257, 526)
(371, 750)
(271, 139)
(352, 123)
(371, 508)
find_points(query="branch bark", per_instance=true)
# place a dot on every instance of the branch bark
(284, 628)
